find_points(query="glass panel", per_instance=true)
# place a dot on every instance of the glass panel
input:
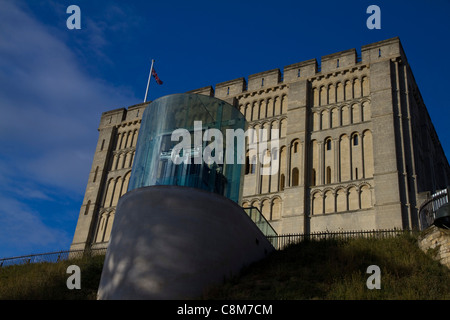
(182, 141)
(262, 224)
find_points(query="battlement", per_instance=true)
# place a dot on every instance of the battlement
(383, 49)
(338, 60)
(264, 79)
(230, 88)
(331, 63)
(118, 116)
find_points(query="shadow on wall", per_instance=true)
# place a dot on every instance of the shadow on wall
(171, 242)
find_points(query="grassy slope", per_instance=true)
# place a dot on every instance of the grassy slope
(47, 281)
(310, 270)
(334, 269)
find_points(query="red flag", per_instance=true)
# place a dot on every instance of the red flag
(155, 75)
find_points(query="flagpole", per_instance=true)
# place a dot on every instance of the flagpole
(148, 82)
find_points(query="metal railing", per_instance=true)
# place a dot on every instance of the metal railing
(51, 257)
(278, 241)
(427, 211)
(285, 240)
(262, 223)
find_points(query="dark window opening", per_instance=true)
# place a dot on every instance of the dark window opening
(295, 177)
(355, 140)
(328, 144)
(328, 175)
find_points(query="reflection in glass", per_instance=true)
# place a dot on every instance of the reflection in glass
(159, 159)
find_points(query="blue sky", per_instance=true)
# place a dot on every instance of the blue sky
(56, 82)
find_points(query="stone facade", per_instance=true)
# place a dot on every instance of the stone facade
(437, 241)
(357, 148)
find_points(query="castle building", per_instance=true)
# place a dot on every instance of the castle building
(357, 148)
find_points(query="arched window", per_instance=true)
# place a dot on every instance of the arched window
(331, 94)
(334, 118)
(328, 144)
(274, 154)
(86, 211)
(357, 88)
(129, 139)
(95, 174)
(117, 191)
(353, 199)
(355, 139)
(255, 109)
(323, 96)
(295, 177)
(348, 94)
(269, 110)
(339, 92)
(276, 209)
(345, 115)
(247, 164)
(109, 193)
(283, 127)
(316, 121)
(284, 104)
(365, 86)
(317, 203)
(265, 209)
(329, 202)
(277, 106)
(325, 119)
(253, 164)
(341, 200)
(262, 109)
(366, 201)
(315, 97)
(134, 139)
(248, 112)
(328, 175)
(367, 154)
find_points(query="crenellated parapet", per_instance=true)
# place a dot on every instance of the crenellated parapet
(328, 66)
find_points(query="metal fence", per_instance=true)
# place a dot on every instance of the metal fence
(51, 257)
(282, 241)
(427, 211)
(278, 241)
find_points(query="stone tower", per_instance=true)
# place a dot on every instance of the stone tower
(357, 148)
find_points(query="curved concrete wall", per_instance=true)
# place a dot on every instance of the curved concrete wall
(171, 242)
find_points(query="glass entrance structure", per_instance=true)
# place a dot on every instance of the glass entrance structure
(191, 140)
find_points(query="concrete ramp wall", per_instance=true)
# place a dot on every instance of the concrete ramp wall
(170, 242)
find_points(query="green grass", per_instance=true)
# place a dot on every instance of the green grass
(47, 281)
(326, 269)
(336, 269)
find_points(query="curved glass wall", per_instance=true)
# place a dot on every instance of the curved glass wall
(191, 140)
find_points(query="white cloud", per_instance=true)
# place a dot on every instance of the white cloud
(48, 105)
(50, 109)
(22, 229)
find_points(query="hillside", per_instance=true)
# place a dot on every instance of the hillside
(336, 269)
(325, 269)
